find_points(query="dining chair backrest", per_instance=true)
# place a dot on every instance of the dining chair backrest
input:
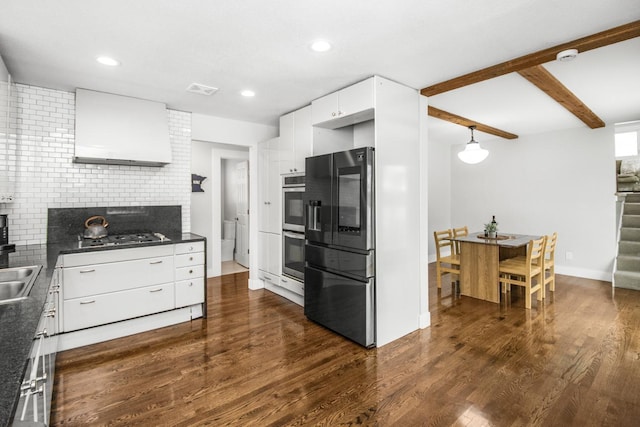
(548, 262)
(459, 232)
(535, 252)
(550, 248)
(443, 240)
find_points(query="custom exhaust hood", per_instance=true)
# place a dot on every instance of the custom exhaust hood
(120, 130)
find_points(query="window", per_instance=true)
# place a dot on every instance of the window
(626, 144)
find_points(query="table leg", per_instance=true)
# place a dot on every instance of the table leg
(479, 271)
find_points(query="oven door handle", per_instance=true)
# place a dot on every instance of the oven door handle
(293, 235)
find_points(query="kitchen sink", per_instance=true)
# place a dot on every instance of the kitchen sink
(16, 283)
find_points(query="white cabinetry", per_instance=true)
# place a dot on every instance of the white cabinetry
(348, 106)
(296, 139)
(7, 138)
(189, 263)
(102, 287)
(270, 187)
(270, 259)
(108, 286)
(93, 310)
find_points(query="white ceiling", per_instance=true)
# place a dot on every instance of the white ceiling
(165, 45)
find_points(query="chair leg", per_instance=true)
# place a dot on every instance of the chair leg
(438, 276)
(552, 283)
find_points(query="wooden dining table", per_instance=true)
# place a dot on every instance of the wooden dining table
(480, 258)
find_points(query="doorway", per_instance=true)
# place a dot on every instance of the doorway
(235, 215)
(214, 209)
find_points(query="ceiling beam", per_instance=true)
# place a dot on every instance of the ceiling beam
(594, 41)
(547, 83)
(462, 121)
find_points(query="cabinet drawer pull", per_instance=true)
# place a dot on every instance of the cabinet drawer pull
(190, 258)
(87, 271)
(156, 290)
(156, 262)
(87, 302)
(190, 283)
(190, 271)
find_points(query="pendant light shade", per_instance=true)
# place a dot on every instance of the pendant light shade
(472, 152)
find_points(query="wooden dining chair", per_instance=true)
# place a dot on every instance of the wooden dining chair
(548, 262)
(527, 272)
(445, 263)
(459, 232)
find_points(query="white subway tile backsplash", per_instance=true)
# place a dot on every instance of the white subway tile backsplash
(46, 176)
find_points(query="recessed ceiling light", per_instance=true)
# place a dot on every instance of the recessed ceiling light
(320, 46)
(106, 60)
(248, 93)
(567, 55)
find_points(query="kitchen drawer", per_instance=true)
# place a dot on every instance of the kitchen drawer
(114, 255)
(185, 248)
(189, 292)
(116, 276)
(292, 285)
(187, 273)
(185, 260)
(269, 278)
(97, 310)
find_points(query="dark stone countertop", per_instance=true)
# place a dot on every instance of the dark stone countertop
(19, 320)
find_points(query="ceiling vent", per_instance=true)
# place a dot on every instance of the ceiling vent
(201, 89)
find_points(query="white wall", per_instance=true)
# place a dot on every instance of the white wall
(439, 185)
(201, 203)
(207, 208)
(46, 177)
(562, 181)
(246, 134)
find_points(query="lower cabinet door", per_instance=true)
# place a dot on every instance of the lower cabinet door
(80, 313)
(292, 285)
(189, 292)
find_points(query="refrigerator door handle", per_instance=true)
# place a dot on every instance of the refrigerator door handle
(313, 213)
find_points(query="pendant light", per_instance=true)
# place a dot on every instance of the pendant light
(472, 152)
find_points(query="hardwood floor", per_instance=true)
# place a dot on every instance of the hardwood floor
(574, 360)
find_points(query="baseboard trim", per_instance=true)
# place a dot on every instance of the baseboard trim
(424, 321)
(255, 284)
(286, 293)
(74, 339)
(584, 273)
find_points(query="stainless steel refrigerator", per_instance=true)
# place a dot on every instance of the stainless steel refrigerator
(340, 243)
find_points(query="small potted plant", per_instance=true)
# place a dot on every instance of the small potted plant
(491, 229)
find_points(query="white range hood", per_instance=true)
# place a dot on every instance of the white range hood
(114, 129)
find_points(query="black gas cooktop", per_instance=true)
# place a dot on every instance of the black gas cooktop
(122, 239)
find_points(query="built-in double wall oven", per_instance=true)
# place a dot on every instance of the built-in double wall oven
(293, 226)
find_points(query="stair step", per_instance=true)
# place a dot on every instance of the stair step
(631, 208)
(627, 280)
(628, 233)
(629, 248)
(628, 263)
(632, 198)
(632, 221)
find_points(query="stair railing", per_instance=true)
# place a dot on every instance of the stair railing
(615, 260)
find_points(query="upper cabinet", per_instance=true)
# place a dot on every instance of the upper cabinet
(269, 192)
(296, 139)
(7, 139)
(351, 105)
